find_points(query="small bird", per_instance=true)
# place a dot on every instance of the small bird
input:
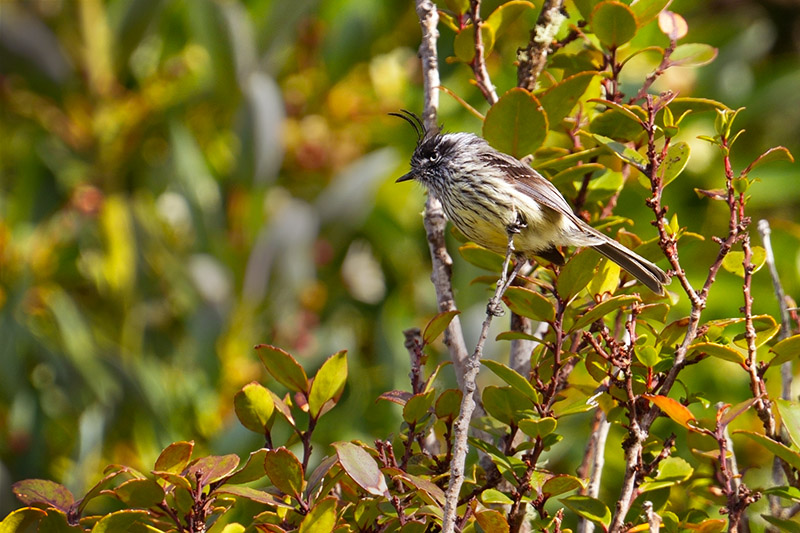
(490, 196)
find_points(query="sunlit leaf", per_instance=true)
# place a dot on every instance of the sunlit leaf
(361, 467)
(212, 468)
(614, 23)
(785, 350)
(693, 55)
(492, 520)
(512, 378)
(516, 124)
(254, 407)
(721, 351)
(24, 520)
(418, 406)
(505, 404)
(733, 261)
(648, 10)
(252, 470)
(529, 303)
(283, 368)
(776, 448)
(776, 153)
(328, 383)
(672, 25)
(560, 99)
(321, 518)
(676, 411)
(538, 428)
(481, 257)
(603, 309)
(437, 325)
(124, 520)
(561, 484)
(589, 508)
(790, 417)
(577, 273)
(765, 328)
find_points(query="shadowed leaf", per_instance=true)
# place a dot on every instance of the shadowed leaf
(589, 508)
(361, 467)
(43, 492)
(437, 325)
(516, 124)
(529, 303)
(513, 378)
(285, 471)
(776, 448)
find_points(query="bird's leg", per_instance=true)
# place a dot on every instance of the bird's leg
(494, 308)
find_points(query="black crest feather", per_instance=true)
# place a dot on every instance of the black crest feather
(422, 132)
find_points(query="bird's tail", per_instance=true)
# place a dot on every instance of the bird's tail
(640, 268)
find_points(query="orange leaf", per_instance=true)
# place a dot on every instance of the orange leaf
(676, 411)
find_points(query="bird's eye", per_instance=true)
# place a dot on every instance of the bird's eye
(433, 157)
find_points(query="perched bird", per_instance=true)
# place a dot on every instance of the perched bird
(490, 196)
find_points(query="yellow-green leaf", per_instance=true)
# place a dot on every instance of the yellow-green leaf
(283, 368)
(614, 23)
(720, 351)
(328, 383)
(254, 407)
(785, 350)
(529, 303)
(437, 325)
(516, 124)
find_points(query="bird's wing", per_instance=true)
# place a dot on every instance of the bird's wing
(529, 182)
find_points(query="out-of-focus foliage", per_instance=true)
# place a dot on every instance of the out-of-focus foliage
(183, 180)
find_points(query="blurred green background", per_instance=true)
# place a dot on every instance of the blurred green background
(183, 179)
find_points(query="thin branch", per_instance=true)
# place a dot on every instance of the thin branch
(533, 58)
(461, 427)
(479, 61)
(594, 460)
(434, 219)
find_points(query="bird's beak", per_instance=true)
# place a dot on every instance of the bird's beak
(405, 177)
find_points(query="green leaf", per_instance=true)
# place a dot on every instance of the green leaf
(589, 508)
(790, 417)
(606, 281)
(614, 23)
(125, 520)
(538, 428)
(141, 493)
(513, 378)
(648, 356)
(418, 406)
(577, 273)
(777, 153)
(567, 176)
(647, 10)
(693, 55)
(516, 124)
(285, 471)
(283, 368)
(457, 6)
(783, 524)
(321, 518)
(529, 303)
(254, 407)
(765, 327)
(506, 14)
(328, 384)
(492, 520)
(788, 493)
(481, 257)
(434, 493)
(681, 105)
(720, 351)
(252, 470)
(43, 492)
(505, 404)
(24, 520)
(785, 350)
(361, 467)
(604, 308)
(258, 496)
(490, 496)
(775, 448)
(560, 99)
(437, 325)
(733, 261)
(675, 162)
(448, 404)
(625, 153)
(676, 411)
(464, 43)
(560, 484)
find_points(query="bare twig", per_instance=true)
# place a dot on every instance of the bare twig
(478, 61)
(533, 58)
(434, 219)
(461, 427)
(653, 520)
(594, 459)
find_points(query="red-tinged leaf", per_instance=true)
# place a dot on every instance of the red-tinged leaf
(516, 124)
(282, 408)
(785, 350)
(418, 406)
(110, 472)
(561, 484)
(254, 407)
(775, 448)
(140, 493)
(614, 23)
(676, 411)
(320, 473)
(212, 468)
(252, 470)
(328, 384)
(434, 493)
(777, 153)
(491, 520)
(361, 467)
(283, 368)
(437, 325)
(672, 25)
(321, 518)
(285, 471)
(43, 492)
(714, 194)
(790, 417)
(400, 397)
(175, 457)
(448, 404)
